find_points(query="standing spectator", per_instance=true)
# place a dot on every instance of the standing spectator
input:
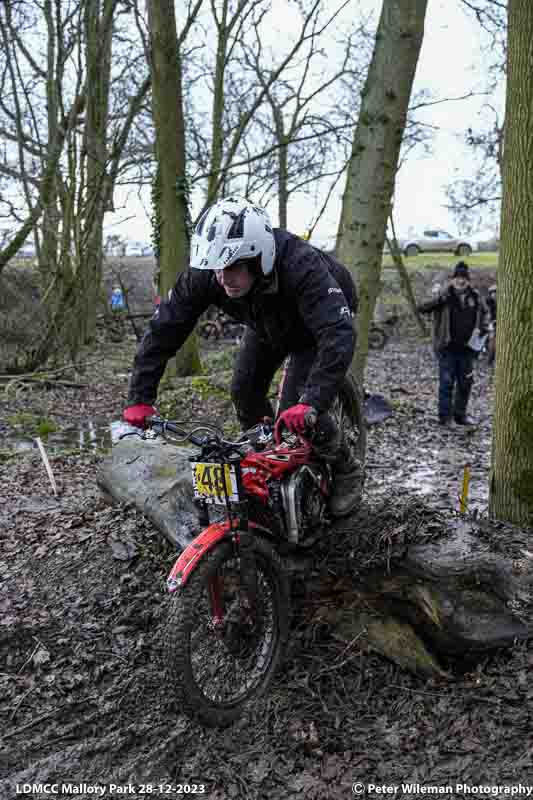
(156, 277)
(460, 320)
(117, 299)
(491, 305)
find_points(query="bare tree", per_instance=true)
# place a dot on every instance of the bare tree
(236, 137)
(477, 197)
(69, 143)
(511, 484)
(26, 115)
(306, 125)
(375, 154)
(172, 202)
(404, 276)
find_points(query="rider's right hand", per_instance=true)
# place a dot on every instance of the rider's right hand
(297, 419)
(136, 415)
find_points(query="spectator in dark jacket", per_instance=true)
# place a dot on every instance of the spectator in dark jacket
(294, 301)
(492, 305)
(460, 323)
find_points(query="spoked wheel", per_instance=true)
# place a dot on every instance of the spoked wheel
(348, 412)
(224, 640)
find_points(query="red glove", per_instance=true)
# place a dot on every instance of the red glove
(296, 418)
(136, 415)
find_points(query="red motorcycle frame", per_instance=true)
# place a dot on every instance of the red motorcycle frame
(256, 469)
(228, 621)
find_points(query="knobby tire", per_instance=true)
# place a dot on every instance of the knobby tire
(187, 623)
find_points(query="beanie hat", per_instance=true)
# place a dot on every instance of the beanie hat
(461, 270)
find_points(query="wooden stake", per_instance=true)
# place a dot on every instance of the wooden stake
(464, 493)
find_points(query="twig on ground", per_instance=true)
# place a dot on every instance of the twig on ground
(30, 656)
(47, 465)
(45, 715)
(21, 700)
(346, 660)
(57, 371)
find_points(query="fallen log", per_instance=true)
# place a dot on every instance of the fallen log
(420, 600)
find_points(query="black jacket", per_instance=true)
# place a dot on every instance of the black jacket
(454, 321)
(308, 300)
(491, 306)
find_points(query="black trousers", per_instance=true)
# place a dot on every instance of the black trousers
(456, 369)
(254, 370)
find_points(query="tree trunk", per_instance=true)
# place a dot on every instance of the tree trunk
(98, 60)
(511, 487)
(47, 182)
(50, 224)
(217, 144)
(404, 278)
(171, 196)
(283, 193)
(375, 152)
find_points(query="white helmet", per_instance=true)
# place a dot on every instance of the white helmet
(230, 230)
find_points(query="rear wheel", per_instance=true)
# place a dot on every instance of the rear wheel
(348, 412)
(464, 250)
(221, 646)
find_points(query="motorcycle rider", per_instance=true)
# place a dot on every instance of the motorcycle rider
(295, 302)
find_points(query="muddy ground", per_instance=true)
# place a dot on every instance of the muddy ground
(83, 599)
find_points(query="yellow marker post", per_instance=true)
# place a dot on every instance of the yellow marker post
(464, 493)
(306, 236)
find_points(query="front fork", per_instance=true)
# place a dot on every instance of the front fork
(248, 571)
(247, 594)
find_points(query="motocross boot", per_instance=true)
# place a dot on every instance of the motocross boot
(347, 483)
(347, 473)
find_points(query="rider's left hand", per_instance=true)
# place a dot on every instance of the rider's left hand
(296, 419)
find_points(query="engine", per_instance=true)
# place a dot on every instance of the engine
(304, 503)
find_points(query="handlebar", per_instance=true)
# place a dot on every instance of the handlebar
(202, 435)
(212, 434)
(166, 425)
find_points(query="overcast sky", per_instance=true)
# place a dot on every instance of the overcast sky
(451, 64)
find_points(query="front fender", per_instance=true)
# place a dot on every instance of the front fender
(195, 551)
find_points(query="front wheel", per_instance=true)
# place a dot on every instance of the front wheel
(412, 250)
(223, 642)
(464, 250)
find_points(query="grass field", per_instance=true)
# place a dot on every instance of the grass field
(422, 261)
(445, 260)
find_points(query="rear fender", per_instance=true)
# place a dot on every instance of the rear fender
(195, 551)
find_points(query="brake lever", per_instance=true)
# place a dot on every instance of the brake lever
(131, 433)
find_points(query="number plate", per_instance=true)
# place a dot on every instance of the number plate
(209, 480)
